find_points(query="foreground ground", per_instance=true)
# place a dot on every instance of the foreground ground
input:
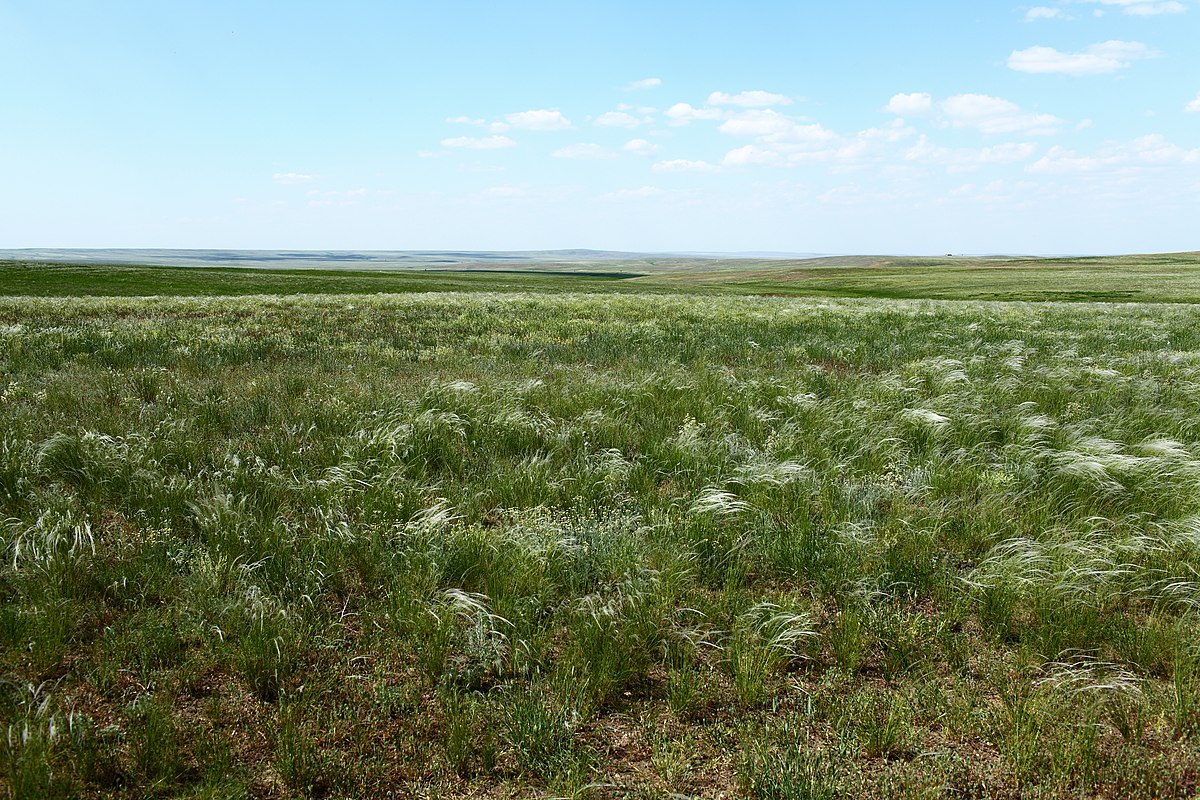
(503, 545)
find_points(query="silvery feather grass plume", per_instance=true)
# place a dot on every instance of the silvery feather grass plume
(719, 502)
(56, 536)
(924, 416)
(471, 608)
(1080, 673)
(781, 631)
(483, 642)
(765, 471)
(433, 519)
(1087, 568)
(630, 595)
(35, 705)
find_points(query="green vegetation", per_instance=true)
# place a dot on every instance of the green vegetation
(1168, 278)
(596, 544)
(67, 280)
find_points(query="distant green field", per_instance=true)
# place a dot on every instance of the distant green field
(1169, 278)
(67, 280)
(1173, 278)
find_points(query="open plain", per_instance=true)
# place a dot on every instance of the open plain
(516, 534)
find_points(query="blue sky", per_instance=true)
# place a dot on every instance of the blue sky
(1057, 126)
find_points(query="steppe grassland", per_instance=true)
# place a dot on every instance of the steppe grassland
(608, 546)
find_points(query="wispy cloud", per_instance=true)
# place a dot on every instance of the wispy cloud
(290, 178)
(1044, 12)
(336, 198)
(752, 155)
(964, 159)
(910, 104)
(771, 126)
(503, 192)
(799, 144)
(621, 119)
(1142, 8)
(1097, 59)
(640, 193)
(641, 147)
(479, 143)
(585, 151)
(752, 99)
(541, 119)
(683, 165)
(995, 115)
(683, 113)
(1146, 151)
(1193, 106)
(644, 83)
(494, 127)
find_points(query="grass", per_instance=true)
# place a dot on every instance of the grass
(117, 280)
(525, 543)
(1166, 278)
(1173, 278)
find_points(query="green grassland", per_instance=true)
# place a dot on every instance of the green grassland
(359, 536)
(1173, 278)
(1156, 278)
(33, 279)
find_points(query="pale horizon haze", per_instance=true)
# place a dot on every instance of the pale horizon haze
(1065, 126)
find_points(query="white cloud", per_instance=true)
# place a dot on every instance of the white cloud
(633, 194)
(897, 131)
(640, 147)
(1145, 151)
(644, 83)
(504, 192)
(752, 99)
(1141, 8)
(995, 115)
(963, 159)
(757, 123)
(1060, 160)
(683, 113)
(771, 126)
(539, 120)
(481, 143)
(335, 198)
(751, 155)
(910, 104)
(621, 119)
(1151, 9)
(337, 193)
(683, 165)
(1042, 12)
(584, 151)
(494, 127)
(783, 142)
(1193, 106)
(1007, 153)
(1096, 59)
(290, 178)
